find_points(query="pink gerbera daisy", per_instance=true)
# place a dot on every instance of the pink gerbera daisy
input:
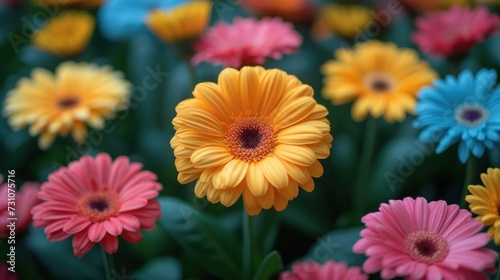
(330, 270)
(420, 240)
(21, 200)
(454, 32)
(246, 42)
(97, 200)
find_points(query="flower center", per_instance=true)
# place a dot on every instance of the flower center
(379, 82)
(471, 115)
(250, 138)
(425, 246)
(67, 103)
(98, 206)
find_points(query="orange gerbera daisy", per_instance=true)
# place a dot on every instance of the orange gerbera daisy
(380, 78)
(257, 133)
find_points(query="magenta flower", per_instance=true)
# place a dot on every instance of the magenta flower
(330, 270)
(454, 32)
(419, 240)
(246, 42)
(97, 200)
(24, 198)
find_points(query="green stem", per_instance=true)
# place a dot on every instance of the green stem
(248, 244)
(362, 178)
(109, 265)
(470, 172)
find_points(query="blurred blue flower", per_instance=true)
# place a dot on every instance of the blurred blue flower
(464, 109)
(122, 19)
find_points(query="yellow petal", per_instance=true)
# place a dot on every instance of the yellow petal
(248, 96)
(256, 181)
(211, 155)
(233, 172)
(300, 134)
(299, 155)
(274, 171)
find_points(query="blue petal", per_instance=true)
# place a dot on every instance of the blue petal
(123, 19)
(463, 152)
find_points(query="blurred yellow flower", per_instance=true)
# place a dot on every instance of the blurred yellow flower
(300, 11)
(56, 104)
(70, 3)
(484, 201)
(256, 133)
(346, 21)
(183, 23)
(66, 34)
(435, 5)
(379, 77)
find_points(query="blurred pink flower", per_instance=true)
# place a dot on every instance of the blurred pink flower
(24, 200)
(5, 274)
(420, 240)
(454, 32)
(97, 200)
(330, 270)
(246, 42)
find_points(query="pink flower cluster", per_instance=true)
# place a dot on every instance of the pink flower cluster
(454, 32)
(246, 42)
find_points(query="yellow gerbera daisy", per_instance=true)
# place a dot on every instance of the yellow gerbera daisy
(183, 23)
(379, 77)
(256, 133)
(66, 34)
(56, 104)
(485, 202)
(346, 21)
(70, 3)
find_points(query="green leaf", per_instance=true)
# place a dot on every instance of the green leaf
(266, 226)
(337, 245)
(269, 266)
(160, 269)
(215, 248)
(52, 254)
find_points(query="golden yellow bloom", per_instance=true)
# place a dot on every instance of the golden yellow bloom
(346, 21)
(70, 3)
(66, 34)
(379, 77)
(56, 104)
(485, 202)
(434, 5)
(257, 133)
(183, 23)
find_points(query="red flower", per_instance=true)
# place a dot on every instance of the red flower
(24, 199)
(97, 200)
(454, 32)
(246, 42)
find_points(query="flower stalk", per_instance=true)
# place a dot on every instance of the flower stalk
(109, 264)
(362, 178)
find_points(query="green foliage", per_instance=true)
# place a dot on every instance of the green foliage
(213, 247)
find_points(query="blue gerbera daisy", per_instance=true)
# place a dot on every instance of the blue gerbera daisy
(464, 109)
(122, 19)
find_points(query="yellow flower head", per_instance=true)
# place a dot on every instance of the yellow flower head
(66, 34)
(346, 21)
(70, 3)
(183, 23)
(485, 202)
(380, 78)
(256, 133)
(56, 104)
